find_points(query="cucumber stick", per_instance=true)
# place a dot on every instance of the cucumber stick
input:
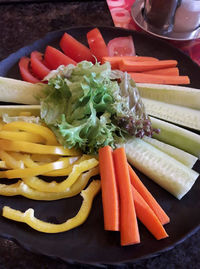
(177, 95)
(184, 157)
(18, 91)
(15, 110)
(177, 136)
(184, 116)
(160, 167)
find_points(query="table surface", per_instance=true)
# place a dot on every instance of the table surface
(20, 25)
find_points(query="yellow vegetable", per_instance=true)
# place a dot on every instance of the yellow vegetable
(54, 186)
(45, 227)
(37, 170)
(22, 136)
(10, 162)
(22, 146)
(2, 164)
(20, 188)
(34, 128)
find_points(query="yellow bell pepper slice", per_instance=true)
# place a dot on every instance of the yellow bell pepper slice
(66, 171)
(37, 170)
(10, 161)
(45, 158)
(46, 227)
(34, 128)
(28, 147)
(22, 136)
(3, 165)
(20, 188)
(78, 169)
(28, 162)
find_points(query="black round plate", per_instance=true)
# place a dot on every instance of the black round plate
(89, 243)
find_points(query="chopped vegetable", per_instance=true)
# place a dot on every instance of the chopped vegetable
(54, 58)
(128, 222)
(53, 186)
(177, 95)
(177, 136)
(38, 66)
(159, 79)
(183, 116)
(173, 71)
(25, 71)
(45, 227)
(146, 215)
(109, 190)
(170, 174)
(147, 196)
(115, 60)
(97, 44)
(20, 188)
(17, 91)
(130, 66)
(29, 147)
(121, 46)
(74, 49)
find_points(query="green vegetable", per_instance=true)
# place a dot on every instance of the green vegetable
(183, 116)
(184, 157)
(177, 136)
(177, 95)
(85, 105)
(22, 92)
(166, 171)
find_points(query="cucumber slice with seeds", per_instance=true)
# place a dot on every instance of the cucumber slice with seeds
(184, 157)
(177, 136)
(160, 167)
(177, 95)
(184, 116)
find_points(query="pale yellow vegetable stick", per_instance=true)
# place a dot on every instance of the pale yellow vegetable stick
(46, 227)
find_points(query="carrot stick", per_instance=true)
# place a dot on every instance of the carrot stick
(130, 66)
(159, 79)
(115, 60)
(128, 222)
(147, 196)
(146, 215)
(173, 71)
(110, 198)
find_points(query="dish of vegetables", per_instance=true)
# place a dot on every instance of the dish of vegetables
(86, 114)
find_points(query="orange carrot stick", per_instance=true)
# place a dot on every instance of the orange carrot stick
(146, 215)
(159, 79)
(147, 196)
(173, 71)
(110, 198)
(130, 66)
(128, 222)
(115, 60)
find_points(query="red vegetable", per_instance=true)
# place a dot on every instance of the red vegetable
(97, 44)
(54, 58)
(38, 66)
(128, 222)
(74, 49)
(110, 198)
(25, 71)
(121, 46)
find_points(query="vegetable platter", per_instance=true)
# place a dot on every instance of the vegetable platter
(90, 243)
